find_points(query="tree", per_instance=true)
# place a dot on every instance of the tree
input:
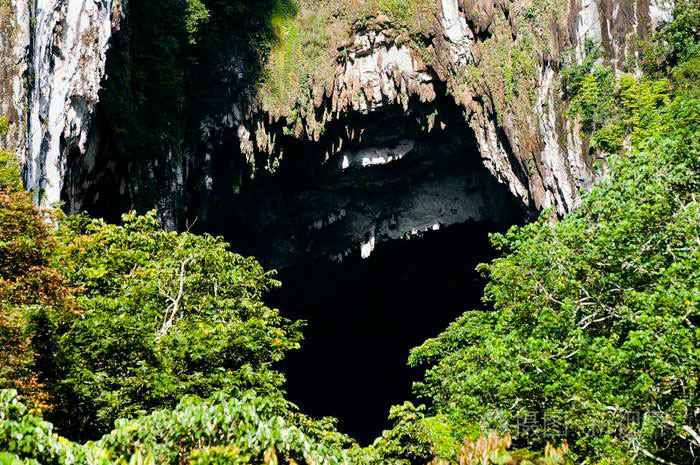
(29, 288)
(9, 167)
(595, 318)
(164, 314)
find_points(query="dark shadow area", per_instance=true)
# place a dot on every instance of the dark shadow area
(311, 208)
(174, 70)
(365, 315)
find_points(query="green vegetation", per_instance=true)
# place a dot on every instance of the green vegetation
(9, 170)
(29, 286)
(308, 36)
(677, 47)
(161, 343)
(220, 430)
(9, 165)
(590, 87)
(28, 281)
(196, 17)
(408, 441)
(595, 318)
(610, 108)
(174, 314)
(4, 126)
(593, 99)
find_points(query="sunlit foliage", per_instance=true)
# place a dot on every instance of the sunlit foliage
(164, 314)
(595, 317)
(30, 288)
(220, 430)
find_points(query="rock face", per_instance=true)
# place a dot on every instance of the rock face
(489, 72)
(500, 62)
(362, 155)
(14, 38)
(59, 50)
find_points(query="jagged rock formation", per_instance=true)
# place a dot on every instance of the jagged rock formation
(368, 86)
(397, 182)
(55, 53)
(500, 62)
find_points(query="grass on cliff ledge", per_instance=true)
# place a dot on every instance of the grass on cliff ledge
(312, 35)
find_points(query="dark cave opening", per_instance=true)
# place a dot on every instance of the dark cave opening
(418, 203)
(364, 315)
(394, 184)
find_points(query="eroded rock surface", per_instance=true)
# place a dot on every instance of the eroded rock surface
(500, 62)
(14, 38)
(57, 53)
(483, 74)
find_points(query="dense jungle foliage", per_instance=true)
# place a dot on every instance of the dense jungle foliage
(157, 347)
(595, 321)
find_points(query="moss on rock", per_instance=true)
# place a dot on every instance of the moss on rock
(313, 37)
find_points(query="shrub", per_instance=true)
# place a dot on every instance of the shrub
(676, 43)
(216, 431)
(4, 126)
(493, 449)
(9, 171)
(407, 442)
(26, 439)
(245, 430)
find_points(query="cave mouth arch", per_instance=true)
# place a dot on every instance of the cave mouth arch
(412, 196)
(376, 249)
(405, 171)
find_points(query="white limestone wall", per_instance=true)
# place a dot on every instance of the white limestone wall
(67, 63)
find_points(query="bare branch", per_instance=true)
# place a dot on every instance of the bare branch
(653, 457)
(172, 310)
(693, 433)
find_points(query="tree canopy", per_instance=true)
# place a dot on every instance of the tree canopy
(595, 317)
(163, 315)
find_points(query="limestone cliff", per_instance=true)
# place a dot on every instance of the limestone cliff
(53, 61)
(350, 131)
(500, 63)
(14, 38)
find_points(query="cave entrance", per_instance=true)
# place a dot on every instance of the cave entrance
(365, 315)
(376, 249)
